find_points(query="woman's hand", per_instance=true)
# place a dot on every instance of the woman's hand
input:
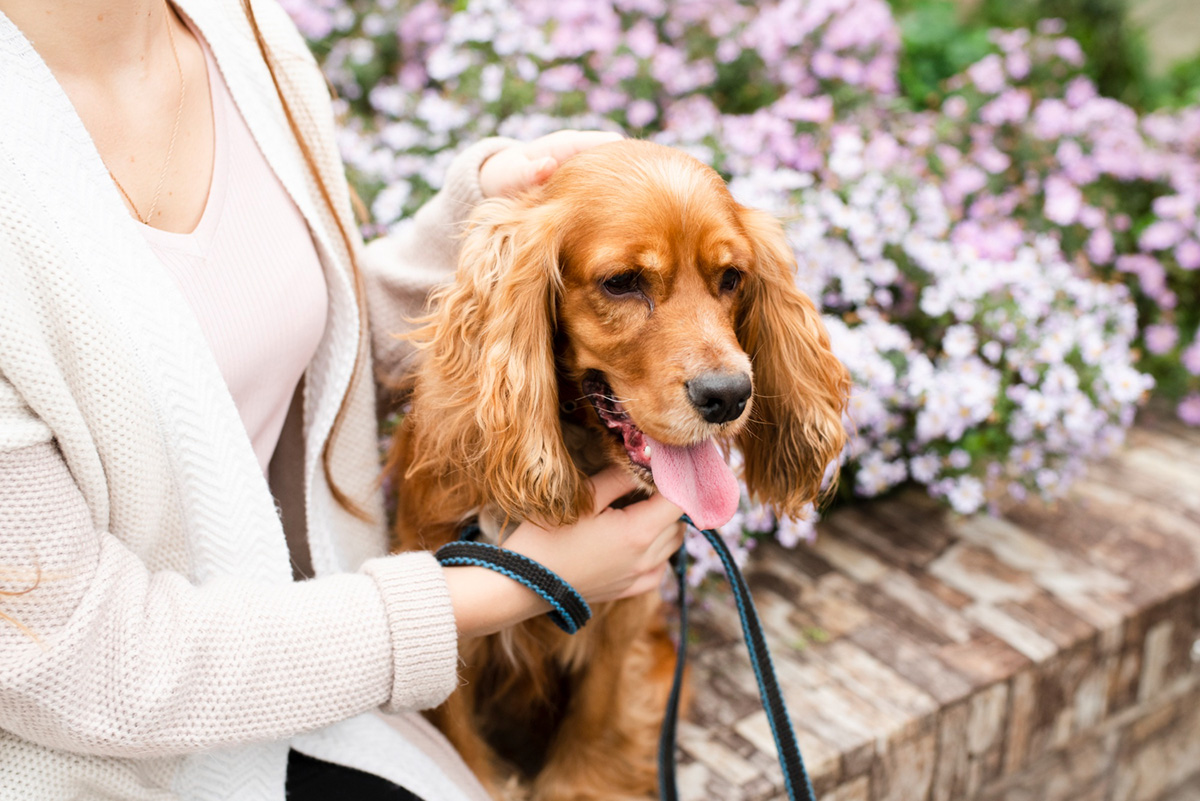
(611, 554)
(528, 164)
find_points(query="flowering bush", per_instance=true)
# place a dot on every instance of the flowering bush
(737, 79)
(991, 271)
(979, 376)
(1025, 142)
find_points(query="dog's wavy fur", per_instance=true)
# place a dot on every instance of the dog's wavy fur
(504, 353)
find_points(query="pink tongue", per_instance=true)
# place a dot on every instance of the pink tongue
(696, 479)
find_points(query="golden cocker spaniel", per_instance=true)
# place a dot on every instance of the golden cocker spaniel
(627, 312)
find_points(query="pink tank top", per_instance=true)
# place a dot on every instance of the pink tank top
(251, 274)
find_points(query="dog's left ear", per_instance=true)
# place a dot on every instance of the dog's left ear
(800, 388)
(488, 388)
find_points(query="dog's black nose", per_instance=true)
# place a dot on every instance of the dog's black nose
(719, 397)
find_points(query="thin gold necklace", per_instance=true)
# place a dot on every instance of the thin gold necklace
(145, 220)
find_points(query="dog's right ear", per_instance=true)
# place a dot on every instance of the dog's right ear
(487, 393)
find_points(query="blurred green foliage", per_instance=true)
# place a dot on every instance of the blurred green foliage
(942, 37)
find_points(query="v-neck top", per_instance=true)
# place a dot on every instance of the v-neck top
(251, 274)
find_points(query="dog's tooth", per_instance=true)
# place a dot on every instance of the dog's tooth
(646, 451)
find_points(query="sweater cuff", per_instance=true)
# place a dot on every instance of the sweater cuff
(462, 177)
(423, 629)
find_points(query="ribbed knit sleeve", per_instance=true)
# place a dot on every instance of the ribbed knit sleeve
(98, 655)
(424, 633)
(422, 253)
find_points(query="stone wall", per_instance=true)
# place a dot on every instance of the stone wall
(1049, 654)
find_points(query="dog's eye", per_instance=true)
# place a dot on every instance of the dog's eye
(730, 280)
(623, 284)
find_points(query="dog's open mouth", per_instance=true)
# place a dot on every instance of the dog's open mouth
(613, 415)
(693, 477)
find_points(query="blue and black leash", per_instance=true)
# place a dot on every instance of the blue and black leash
(795, 777)
(568, 609)
(570, 612)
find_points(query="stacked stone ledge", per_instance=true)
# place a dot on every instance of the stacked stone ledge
(1048, 655)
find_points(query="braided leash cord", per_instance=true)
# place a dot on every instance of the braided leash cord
(569, 610)
(795, 777)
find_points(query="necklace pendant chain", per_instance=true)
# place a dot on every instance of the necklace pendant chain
(162, 178)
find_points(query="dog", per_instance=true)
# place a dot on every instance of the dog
(630, 312)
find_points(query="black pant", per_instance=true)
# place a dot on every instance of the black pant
(311, 779)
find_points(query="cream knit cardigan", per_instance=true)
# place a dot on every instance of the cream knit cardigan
(161, 649)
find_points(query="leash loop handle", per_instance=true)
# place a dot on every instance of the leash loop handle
(569, 610)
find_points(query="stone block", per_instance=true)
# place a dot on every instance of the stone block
(953, 756)
(905, 768)
(1046, 656)
(857, 790)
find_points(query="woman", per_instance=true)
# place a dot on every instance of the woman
(187, 425)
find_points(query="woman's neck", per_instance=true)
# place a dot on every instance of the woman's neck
(92, 37)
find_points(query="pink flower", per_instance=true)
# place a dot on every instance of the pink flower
(987, 74)
(996, 240)
(728, 50)
(313, 22)
(1188, 254)
(1189, 409)
(964, 181)
(993, 160)
(422, 23)
(563, 78)
(1160, 338)
(1051, 119)
(1091, 217)
(603, 99)
(1100, 246)
(1151, 276)
(949, 155)
(1161, 235)
(1174, 207)
(882, 152)
(412, 77)
(1191, 357)
(641, 39)
(1077, 166)
(1009, 41)
(1069, 51)
(955, 107)
(640, 113)
(881, 75)
(1012, 106)
(1063, 200)
(1018, 65)
(824, 64)
(1079, 91)
(806, 109)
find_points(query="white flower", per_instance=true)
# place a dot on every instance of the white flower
(1124, 382)
(959, 341)
(925, 468)
(846, 160)
(792, 532)
(966, 495)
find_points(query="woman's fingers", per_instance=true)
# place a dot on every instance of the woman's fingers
(611, 483)
(561, 145)
(653, 514)
(528, 164)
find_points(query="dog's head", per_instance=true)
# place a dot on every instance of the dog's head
(634, 277)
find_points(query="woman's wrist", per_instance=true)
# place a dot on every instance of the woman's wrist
(485, 601)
